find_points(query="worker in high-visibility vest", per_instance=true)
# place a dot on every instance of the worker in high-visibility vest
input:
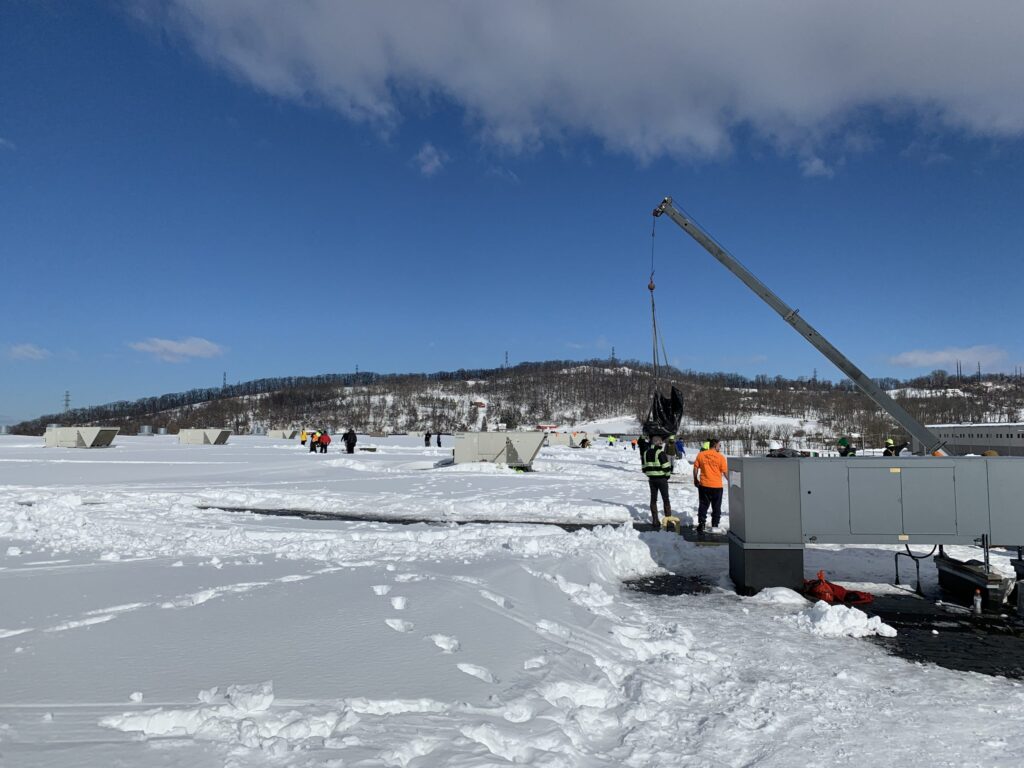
(658, 468)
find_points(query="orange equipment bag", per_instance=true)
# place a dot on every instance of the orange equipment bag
(820, 589)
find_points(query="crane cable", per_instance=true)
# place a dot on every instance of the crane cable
(656, 336)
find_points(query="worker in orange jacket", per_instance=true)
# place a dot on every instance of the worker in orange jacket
(710, 468)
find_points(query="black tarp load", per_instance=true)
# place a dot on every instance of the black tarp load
(665, 414)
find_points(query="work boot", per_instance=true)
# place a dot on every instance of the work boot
(654, 515)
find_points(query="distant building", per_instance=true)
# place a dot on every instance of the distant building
(1006, 439)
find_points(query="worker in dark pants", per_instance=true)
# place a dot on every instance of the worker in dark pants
(349, 439)
(709, 470)
(658, 468)
(426, 440)
(438, 439)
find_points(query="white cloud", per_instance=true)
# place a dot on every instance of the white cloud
(5, 144)
(985, 354)
(27, 352)
(646, 78)
(171, 351)
(816, 167)
(430, 159)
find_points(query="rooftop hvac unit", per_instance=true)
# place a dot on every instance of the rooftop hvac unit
(515, 449)
(80, 437)
(203, 436)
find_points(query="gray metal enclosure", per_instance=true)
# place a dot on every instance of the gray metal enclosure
(778, 505)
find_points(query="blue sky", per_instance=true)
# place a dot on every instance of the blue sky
(190, 188)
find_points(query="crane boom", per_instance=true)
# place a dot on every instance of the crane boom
(919, 431)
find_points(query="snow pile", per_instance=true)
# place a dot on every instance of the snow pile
(240, 717)
(779, 596)
(839, 621)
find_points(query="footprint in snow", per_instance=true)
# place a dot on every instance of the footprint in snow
(381, 589)
(446, 643)
(400, 625)
(477, 671)
(554, 628)
(498, 600)
(518, 712)
(398, 603)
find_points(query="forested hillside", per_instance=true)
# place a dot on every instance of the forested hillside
(752, 410)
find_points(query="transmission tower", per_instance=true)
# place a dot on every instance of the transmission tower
(67, 400)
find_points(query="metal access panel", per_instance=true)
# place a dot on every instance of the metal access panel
(876, 505)
(928, 492)
(824, 506)
(1006, 501)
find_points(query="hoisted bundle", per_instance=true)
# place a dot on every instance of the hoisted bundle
(665, 413)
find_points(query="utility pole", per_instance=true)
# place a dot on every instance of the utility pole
(224, 382)
(506, 358)
(613, 354)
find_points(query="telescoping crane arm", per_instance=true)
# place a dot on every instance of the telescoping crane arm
(918, 430)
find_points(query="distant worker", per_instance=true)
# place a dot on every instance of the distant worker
(314, 441)
(633, 443)
(680, 448)
(705, 446)
(349, 438)
(426, 440)
(302, 437)
(891, 449)
(709, 469)
(611, 441)
(438, 439)
(325, 440)
(845, 449)
(658, 469)
(585, 442)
